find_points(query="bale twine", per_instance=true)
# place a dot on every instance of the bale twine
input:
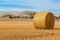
(44, 20)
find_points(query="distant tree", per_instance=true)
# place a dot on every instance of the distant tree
(59, 17)
(56, 17)
(26, 17)
(10, 16)
(16, 16)
(31, 17)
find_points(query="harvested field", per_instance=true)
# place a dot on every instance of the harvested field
(24, 30)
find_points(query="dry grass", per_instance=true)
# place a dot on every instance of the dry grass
(24, 30)
(57, 24)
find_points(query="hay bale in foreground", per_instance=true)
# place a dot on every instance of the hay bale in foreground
(44, 20)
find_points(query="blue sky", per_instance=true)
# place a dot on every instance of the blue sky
(36, 5)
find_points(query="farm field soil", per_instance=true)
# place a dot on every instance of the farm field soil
(24, 30)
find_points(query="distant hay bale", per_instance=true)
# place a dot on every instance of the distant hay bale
(44, 20)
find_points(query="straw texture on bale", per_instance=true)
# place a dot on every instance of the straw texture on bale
(44, 20)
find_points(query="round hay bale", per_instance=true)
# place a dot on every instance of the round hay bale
(44, 20)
